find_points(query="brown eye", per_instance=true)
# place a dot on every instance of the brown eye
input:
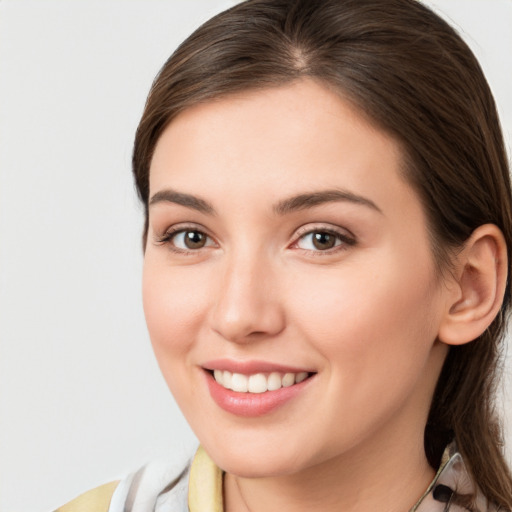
(323, 241)
(189, 239)
(194, 239)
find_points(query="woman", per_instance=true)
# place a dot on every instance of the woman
(327, 237)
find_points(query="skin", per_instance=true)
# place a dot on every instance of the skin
(364, 315)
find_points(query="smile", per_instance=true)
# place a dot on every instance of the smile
(252, 389)
(258, 382)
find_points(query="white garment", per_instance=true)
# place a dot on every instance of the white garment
(156, 487)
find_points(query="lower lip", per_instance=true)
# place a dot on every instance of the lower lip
(252, 404)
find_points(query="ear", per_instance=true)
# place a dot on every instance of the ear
(479, 285)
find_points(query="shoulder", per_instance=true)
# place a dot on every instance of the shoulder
(97, 500)
(153, 488)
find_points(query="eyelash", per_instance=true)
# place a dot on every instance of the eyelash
(345, 240)
(170, 234)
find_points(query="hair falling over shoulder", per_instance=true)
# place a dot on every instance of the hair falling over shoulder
(411, 74)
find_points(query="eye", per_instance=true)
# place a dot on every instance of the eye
(323, 240)
(187, 239)
(190, 239)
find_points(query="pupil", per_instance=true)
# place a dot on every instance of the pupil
(194, 239)
(323, 240)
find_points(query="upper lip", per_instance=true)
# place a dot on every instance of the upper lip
(252, 367)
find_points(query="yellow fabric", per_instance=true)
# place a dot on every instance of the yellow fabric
(205, 485)
(95, 500)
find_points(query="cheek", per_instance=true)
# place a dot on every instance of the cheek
(375, 332)
(370, 318)
(172, 300)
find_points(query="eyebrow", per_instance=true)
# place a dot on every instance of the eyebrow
(294, 203)
(309, 200)
(187, 200)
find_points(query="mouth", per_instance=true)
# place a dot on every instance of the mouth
(257, 382)
(254, 389)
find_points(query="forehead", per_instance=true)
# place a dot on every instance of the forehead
(281, 140)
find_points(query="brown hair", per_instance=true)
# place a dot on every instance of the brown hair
(412, 75)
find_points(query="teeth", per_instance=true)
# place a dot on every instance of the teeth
(301, 376)
(227, 378)
(239, 383)
(259, 382)
(274, 381)
(288, 380)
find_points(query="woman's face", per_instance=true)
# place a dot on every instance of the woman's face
(284, 244)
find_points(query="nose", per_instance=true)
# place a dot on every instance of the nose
(247, 305)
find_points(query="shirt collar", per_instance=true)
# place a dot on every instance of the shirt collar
(205, 484)
(453, 488)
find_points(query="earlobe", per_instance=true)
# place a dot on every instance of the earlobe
(480, 277)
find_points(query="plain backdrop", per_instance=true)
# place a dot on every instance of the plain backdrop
(81, 398)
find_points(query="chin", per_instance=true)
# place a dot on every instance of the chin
(246, 466)
(257, 460)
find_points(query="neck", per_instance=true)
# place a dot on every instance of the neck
(389, 479)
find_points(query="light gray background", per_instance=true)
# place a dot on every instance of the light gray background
(81, 398)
